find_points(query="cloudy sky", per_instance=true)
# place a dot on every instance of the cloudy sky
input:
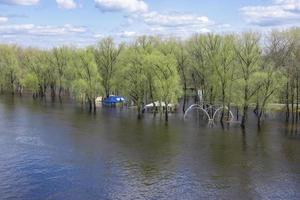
(47, 23)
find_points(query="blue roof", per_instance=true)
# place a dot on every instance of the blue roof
(114, 100)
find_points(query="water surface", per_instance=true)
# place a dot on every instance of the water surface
(54, 151)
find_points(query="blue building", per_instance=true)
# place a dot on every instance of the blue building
(113, 100)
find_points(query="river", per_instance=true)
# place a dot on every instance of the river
(59, 151)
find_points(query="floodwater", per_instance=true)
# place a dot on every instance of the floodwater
(54, 151)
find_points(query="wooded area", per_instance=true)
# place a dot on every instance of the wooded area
(237, 70)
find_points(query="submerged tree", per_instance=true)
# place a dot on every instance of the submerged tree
(9, 67)
(270, 82)
(39, 71)
(106, 56)
(249, 55)
(183, 64)
(86, 84)
(134, 76)
(229, 71)
(202, 74)
(221, 56)
(279, 49)
(167, 79)
(60, 60)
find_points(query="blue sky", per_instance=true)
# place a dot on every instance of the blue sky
(47, 23)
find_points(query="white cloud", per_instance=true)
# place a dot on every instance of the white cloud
(289, 5)
(16, 28)
(31, 29)
(66, 4)
(175, 19)
(127, 34)
(45, 35)
(98, 35)
(174, 24)
(130, 6)
(3, 19)
(143, 21)
(20, 2)
(278, 13)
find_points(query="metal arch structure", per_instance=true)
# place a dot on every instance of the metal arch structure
(225, 108)
(199, 107)
(210, 119)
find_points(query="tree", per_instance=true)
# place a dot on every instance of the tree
(39, 71)
(106, 56)
(87, 79)
(167, 82)
(270, 81)
(293, 36)
(134, 76)
(202, 74)
(221, 55)
(9, 66)
(279, 49)
(249, 54)
(60, 61)
(183, 62)
(144, 46)
(150, 69)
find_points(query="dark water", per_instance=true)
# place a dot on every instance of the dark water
(53, 151)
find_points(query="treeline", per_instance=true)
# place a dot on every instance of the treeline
(237, 70)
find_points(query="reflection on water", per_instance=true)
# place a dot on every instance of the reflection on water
(54, 151)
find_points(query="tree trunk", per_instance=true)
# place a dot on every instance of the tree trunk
(228, 111)
(90, 104)
(245, 108)
(94, 103)
(1, 89)
(154, 109)
(44, 88)
(297, 99)
(107, 92)
(292, 102)
(211, 96)
(223, 104)
(41, 92)
(256, 109)
(287, 112)
(243, 122)
(166, 113)
(60, 91)
(81, 101)
(12, 87)
(139, 112)
(20, 89)
(259, 115)
(195, 87)
(184, 98)
(259, 122)
(52, 91)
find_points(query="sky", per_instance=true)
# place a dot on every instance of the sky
(48, 23)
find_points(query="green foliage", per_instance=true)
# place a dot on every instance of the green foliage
(31, 81)
(86, 83)
(60, 60)
(106, 57)
(238, 70)
(9, 67)
(133, 75)
(166, 76)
